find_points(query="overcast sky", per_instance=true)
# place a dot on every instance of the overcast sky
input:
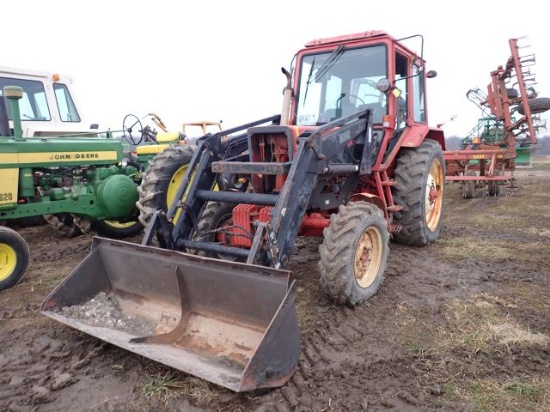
(221, 60)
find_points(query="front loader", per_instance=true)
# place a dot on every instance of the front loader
(350, 158)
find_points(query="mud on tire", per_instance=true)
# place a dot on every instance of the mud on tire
(354, 253)
(160, 180)
(420, 187)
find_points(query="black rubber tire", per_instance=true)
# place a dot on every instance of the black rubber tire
(469, 186)
(117, 230)
(14, 257)
(354, 226)
(163, 171)
(493, 187)
(214, 216)
(512, 93)
(416, 170)
(537, 105)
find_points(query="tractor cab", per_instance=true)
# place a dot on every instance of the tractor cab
(337, 76)
(48, 106)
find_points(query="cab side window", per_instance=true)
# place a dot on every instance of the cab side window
(401, 74)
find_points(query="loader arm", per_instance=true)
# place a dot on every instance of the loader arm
(222, 145)
(312, 160)
(317, 155)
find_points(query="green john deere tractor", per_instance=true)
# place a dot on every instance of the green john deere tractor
(76, 183)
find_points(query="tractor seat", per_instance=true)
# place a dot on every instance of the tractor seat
(151, 148)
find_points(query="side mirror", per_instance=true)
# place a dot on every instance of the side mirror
(431, 74)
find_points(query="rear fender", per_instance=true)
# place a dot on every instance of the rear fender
(415, 134)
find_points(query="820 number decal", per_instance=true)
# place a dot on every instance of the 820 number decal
(6, 197)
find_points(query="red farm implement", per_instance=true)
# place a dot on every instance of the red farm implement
(511, 117)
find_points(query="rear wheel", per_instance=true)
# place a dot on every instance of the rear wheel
(354, 253)
(14, 257)
(420, 187)
(161, 180)
(493, 186)
(536, 105)
(118, 230)
(469, 186)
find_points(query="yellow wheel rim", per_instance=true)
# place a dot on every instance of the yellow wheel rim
(119, 225)
(173, 186)
(8, 261)
(368, 257)
(173, 189)
(434, 195)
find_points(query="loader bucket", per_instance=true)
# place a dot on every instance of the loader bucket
(229, 323)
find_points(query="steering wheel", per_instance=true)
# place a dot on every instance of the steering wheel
(128, 124)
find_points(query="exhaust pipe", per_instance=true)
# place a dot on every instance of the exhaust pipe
(288, 92)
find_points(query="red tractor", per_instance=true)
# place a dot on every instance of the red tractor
(351, 158)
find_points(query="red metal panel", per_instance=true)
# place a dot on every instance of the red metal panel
(242, 218)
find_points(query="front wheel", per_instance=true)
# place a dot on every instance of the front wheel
(420, 188)
(14, 257)
(354, 253)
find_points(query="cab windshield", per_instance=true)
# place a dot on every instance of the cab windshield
(338, 83)
(34, 104)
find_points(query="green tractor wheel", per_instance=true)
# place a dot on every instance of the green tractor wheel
(14, 257)
(118, 230)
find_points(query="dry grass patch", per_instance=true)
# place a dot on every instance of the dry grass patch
(420, 335)
(479, 323)
(168, 386)
(475, 326)
(496, 250)
(512, 395)
(477, 330)
(529, 296)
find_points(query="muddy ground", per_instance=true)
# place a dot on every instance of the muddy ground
(460, 325)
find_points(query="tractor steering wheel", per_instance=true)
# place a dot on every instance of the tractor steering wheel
(128, 124)
(339, 100)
